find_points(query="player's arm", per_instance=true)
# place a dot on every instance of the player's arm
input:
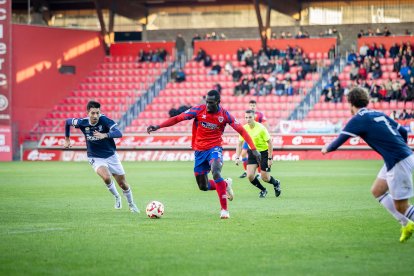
(114, 132)
(238, 150)
(269, 152)
(342, 138)
(187, 115)
(237, 127)
(68, 123)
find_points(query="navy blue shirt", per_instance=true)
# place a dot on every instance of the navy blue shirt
(101, 148)
(380, 132)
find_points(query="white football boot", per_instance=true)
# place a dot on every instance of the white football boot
(229, 188)
(133, 208)
(118, 203)
(224, 214)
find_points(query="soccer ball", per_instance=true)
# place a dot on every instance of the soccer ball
(155, 209)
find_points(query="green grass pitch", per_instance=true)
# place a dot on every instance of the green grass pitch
(58, 219)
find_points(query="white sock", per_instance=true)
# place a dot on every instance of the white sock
(112, 189)
(128, 196)
(387, 201)
(410, 212)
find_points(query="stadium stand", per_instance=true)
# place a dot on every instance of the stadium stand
(116, 83)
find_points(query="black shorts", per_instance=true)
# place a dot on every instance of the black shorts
(251, 160)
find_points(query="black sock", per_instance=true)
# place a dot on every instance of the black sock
(257, 183)
(272, 181)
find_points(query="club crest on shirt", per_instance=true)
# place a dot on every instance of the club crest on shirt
(87, 129)
(100, 128)
(220, 119)
(204, 116)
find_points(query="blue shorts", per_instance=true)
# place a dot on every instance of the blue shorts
(204, 158)
(245, 145)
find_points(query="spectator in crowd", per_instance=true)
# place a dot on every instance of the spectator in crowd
(382, 92)
(180, 47)
(337, 93)
(363, 51)
(394, 115)
(237, 90)
(386, 31)
(237, 74)
(377, 72)
(240, 54)
(217, 87)
(245, 87)
(141, 56)
(208, 61)
(228, 68)
(374, 95)
(289, 90)
(362, 72)
(193, 40)
(215, 70)
(353, 72)
(404, 115)
(201, 54)
(279, 87)
(180, 77)
(394, 50)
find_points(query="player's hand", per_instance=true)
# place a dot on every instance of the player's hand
(257, 156)
(269, 162)
(152, 128)
(324, 150)
(67, 144)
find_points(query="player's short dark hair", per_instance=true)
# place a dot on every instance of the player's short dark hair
(252, 102)
(358, 97)
(250, 111)
(92, 104)
(215, 94)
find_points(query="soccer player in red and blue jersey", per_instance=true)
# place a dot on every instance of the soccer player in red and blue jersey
(260, 118)
(210, 119)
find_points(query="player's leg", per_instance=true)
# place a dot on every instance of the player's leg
(222, 185)
(244, 159)
(265, 173)
(117, 170)
(252, 176)
(400, 184)
(101, 168)
(201, 170)
(379, 190)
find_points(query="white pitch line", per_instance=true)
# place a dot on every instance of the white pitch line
(39, 230)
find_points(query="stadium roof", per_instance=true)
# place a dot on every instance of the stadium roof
(137, 9)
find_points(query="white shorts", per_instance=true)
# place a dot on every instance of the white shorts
(399, 178)
(112, 163)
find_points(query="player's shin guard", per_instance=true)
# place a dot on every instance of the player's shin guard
(221, 192)
(388, 203)
(255, 182)
(211, 185)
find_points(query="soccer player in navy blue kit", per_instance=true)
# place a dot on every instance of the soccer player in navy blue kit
(100, 132)
(393, 186)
